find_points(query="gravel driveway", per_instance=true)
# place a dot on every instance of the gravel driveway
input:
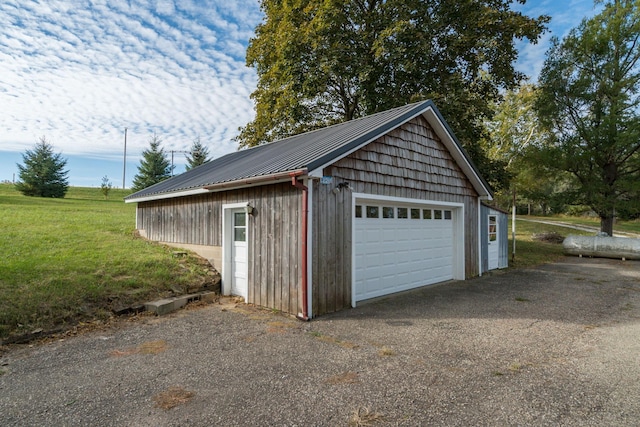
(556, 345)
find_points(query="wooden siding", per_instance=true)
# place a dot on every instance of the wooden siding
(409, 162)
(274, 235)
(331, 249)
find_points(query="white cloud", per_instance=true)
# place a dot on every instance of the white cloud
(80, 72)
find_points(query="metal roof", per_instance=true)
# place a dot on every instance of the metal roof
(301, 153)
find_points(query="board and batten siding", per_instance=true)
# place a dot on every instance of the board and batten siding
(408, 162)
(275, 271)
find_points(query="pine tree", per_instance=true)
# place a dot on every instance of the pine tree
(43, 173)
(154, 166)
(198, 154)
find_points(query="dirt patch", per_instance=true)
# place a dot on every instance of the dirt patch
(551, 237)
(172, 397)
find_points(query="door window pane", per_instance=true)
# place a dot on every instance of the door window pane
(358, 211)
(240, 234)
(426, 213)
(373, 212)
(239, 219)
(415, 213)
(387, 212)
(492, 228)
(447, 214)
(437, 214)
(402, 213)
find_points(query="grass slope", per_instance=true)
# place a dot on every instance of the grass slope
(73, 259)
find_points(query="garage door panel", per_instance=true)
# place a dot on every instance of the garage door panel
(392, 255)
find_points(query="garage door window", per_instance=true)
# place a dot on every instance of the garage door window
(401, 212)
(373, 212)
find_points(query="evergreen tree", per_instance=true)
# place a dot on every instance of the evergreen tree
(43, 173)
(154, 166)
(197, 155)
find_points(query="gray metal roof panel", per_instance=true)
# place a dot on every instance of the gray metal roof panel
(304, 151)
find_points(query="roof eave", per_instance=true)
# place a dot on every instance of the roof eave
(222, 186)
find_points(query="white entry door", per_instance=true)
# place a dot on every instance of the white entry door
(494, 243)
(239, 254)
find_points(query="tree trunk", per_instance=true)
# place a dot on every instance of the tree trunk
(606, 224)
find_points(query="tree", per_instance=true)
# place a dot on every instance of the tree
(43, 173)
(197, 155)
(323, 62)
(154, 166)
(590, 99)
(105, 187)
(515, 139)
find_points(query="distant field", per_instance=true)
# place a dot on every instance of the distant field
(73, 259)
(619, 226)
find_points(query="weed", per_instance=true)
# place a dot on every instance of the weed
(344, 378)
(521, 299)
(515, 367)
(386, 351)
(149, 347)
(172, 397)
(364, 417)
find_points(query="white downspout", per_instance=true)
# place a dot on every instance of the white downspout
(479, 236)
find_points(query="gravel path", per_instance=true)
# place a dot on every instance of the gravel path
(556, 345)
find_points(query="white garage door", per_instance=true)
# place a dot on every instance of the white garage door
(401, 247)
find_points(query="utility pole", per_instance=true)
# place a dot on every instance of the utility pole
(124, 164)
(175, 151)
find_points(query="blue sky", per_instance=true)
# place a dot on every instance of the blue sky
(78, 72)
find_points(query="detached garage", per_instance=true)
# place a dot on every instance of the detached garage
(319, 221)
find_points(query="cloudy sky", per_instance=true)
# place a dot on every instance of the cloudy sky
(80, 72)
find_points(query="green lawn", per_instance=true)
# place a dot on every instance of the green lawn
(73, 259)
(531, 252)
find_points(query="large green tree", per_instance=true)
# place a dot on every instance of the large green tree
(42, 173)
(325, 61)
(590, 87)
(198, 154)
(154, 166)
(515, 138)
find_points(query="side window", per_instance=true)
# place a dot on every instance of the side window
(493, 228)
